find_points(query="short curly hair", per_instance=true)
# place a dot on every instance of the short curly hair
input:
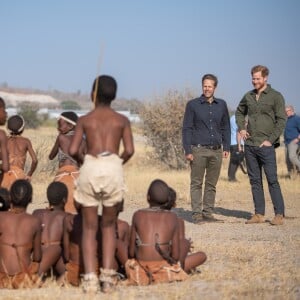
(57, 193)
(16, 124)
(21, 193)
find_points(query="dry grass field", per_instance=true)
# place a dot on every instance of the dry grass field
(257, 261)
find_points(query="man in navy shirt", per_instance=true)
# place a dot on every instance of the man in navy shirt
(292, 140)
(206, 138)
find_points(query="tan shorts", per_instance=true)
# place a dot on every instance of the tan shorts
(101, 179)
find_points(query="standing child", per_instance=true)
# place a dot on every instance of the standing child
(101, 179)
(4, 164)
(20, 240)
(154, 241)
(17, 147)
(52, 219)
(72, 248)
(68, 170)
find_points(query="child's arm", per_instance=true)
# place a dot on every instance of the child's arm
(127, 142)
(4, 152)
(175, 253)
(54, 150)
(132, 239)
(66, 240)
(37, 243)
(34, 160)
(77, 139)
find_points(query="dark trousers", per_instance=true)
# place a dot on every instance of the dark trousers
(236, 158)
(206, 166)
(256, 159)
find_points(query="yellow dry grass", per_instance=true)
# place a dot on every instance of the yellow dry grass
(244, 261)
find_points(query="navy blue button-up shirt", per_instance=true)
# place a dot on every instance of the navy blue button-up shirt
(206, 123)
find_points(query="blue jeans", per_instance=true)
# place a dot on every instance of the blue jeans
(256, 159)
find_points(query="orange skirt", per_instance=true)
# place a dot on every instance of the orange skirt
(11, 176)
(153, 272)
(67, 175)
(29, 279)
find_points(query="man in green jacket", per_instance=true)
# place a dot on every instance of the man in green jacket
(265, 109)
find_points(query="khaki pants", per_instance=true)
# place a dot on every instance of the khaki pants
(206, 166)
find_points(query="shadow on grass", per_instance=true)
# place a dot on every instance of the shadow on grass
(187, 215)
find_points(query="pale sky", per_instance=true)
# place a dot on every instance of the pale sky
(150, 46)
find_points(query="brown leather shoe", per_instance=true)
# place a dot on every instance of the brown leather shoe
(257, 218)
(277, 220)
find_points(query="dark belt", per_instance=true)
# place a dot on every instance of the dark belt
(210, 147)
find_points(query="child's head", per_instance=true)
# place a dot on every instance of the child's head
(4, 199)
(104, 89)
(21, 193)
(172, 199)
(158, 193)
(15, 124)
(67, 121)
(57, 194)
(3, 114)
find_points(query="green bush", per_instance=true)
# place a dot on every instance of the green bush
(70, 105)
(29, 111)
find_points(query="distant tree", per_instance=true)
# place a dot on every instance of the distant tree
(70, 105)
(29, 111)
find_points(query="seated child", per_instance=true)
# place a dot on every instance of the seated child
(4, 199)
(4, 164)
(154, 241)
(189, 262)
(17, 147)
(52, 219)
(20, 240)
(68, 166)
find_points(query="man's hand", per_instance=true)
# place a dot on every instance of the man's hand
(244, 134)
(189, 157)
(225, 154)
(266, 144)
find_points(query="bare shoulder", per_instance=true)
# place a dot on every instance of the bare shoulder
(2, 135)
(38, 212)
(33, 219)
(123, 118)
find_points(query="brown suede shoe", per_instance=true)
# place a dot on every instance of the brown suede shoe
(278, 220)
(197, 218)
(257, 218)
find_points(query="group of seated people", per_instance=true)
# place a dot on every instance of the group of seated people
(47, 242)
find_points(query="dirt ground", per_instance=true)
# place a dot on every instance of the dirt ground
(258, 261)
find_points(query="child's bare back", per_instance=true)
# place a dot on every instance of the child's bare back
(18, 147)
(52, 220)
(20, 232)
(105, 129)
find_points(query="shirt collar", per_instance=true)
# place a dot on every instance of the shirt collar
(265, 91)
(203, 99)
